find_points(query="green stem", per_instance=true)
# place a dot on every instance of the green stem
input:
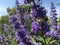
(33, 40)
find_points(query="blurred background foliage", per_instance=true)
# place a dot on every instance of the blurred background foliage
(23, 8)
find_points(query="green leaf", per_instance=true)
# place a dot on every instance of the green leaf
(48, 40)
(57, 43)
(41, 39)
(13, 42)
(32, 40)
(52, 41)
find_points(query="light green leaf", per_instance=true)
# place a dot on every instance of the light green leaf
(57, 43)
(32, 40)
(48, 40)
(41, 39)
(52, 41)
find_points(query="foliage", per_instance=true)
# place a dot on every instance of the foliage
(3, 19)
(23, 8)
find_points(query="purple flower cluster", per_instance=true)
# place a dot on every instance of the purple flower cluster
(38, 10)
(2, 39)
(53, 33)
(34, 27)
(53, 20)
(45, 27)
(23, 38)
(18, 23)
(58, 27)
(38, 13)
(7, 29)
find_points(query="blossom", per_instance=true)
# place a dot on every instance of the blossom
(21, 43)
(53, 20)
(58, 27)
(52, 33)
(34, 27)
(12, 19)
(7, 29)
(45, 27)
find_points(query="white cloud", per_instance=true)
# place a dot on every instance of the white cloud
(58, 12)
(2, 11)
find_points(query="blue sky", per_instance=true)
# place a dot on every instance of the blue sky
(11, 3)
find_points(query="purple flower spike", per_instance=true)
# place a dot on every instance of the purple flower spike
(53, 18)
(34, 28)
